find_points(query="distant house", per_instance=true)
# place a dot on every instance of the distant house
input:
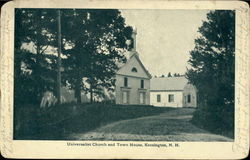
(132, 80)
(172, 92)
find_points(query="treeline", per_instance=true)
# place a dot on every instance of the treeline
(92, 44)
(170, 75)
(213, 72)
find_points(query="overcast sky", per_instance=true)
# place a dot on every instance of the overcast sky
(165, 37)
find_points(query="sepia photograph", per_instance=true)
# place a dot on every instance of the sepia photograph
(110, 74)
(138, 79)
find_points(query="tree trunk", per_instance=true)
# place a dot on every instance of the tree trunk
(91, 94)
(37, 75)
(39, 89)
(78, 91)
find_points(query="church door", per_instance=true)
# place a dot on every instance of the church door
(142, 97)
(125, 97)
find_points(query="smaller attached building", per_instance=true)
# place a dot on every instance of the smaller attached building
(172, 92)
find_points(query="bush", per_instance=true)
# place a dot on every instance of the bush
(217, 119)
(25, 121)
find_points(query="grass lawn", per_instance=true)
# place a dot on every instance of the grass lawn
(60, 121)
(109, 122)
(173, 125)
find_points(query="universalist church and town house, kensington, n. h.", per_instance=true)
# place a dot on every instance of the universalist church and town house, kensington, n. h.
(135, 86)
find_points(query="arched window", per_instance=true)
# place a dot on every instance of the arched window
(134, 69)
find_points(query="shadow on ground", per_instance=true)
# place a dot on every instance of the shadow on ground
(173, 125)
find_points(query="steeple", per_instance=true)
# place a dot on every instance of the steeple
(131, 45)
(134, 38)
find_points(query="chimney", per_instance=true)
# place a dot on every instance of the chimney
(134, 39)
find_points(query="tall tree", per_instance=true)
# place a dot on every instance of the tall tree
(212, 71)
(97, 39)
(169, 74)
(33, 36)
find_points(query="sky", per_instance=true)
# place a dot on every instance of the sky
(165, 37)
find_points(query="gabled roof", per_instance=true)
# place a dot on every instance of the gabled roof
(168, 83)
(132, 54)
(137, 57)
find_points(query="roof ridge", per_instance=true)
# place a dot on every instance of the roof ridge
(168, 83)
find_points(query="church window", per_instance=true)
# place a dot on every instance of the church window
(189, 98)
(134, 69)
(142, 83)
(125, 82)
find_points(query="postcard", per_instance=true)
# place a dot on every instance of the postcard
(124, 79)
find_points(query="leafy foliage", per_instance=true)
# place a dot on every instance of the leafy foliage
(92, 44)
(33, 31)
(97, 39)
(212, 71)
(169, 74)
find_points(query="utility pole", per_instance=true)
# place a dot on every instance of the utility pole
(59, 59)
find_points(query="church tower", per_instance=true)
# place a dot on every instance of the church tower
(132, 78)
(131, 45)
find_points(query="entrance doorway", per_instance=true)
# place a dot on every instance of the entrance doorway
(125, 97)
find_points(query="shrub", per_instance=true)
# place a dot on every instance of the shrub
(217, 118)
(25, 121)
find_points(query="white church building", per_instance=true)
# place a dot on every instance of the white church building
(172, 92)
(132, 80)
